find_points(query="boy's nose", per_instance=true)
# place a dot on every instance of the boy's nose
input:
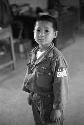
(42, 33)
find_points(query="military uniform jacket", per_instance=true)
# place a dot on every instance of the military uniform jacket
(48, 74)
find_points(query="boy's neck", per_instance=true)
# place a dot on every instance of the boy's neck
(44, 47)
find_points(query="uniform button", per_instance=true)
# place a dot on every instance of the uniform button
(43, 67)
(49, 73)
(48, 95)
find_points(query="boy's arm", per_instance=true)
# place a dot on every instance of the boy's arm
(60, 85)
(26, 75)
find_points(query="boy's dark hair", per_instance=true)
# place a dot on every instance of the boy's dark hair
(47, 17)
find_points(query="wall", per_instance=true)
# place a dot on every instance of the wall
(70, 2)
(33, 3)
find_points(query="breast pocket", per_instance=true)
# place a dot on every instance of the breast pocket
(44, 76)
(44, 68)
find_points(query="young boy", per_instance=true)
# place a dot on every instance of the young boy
(46, 77)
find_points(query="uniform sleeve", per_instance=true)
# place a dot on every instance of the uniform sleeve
(26, 75)
(28, 65)
(60, 85)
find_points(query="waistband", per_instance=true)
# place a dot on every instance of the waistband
(42, 94)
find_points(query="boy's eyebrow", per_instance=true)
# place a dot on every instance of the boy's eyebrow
(44, 27)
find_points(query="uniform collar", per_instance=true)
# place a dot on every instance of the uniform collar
(43, 56)
(45, 47)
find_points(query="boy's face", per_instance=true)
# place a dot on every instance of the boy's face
(44, 32)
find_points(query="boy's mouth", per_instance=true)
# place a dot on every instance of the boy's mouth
(41, 39)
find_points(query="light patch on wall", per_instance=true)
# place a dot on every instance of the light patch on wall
(70, 2)
(33, 3)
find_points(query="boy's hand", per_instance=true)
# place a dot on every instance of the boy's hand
(56, 116)
(30, 99)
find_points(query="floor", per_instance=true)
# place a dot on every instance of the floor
(14, 109)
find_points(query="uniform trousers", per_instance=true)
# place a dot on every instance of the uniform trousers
(41, 113)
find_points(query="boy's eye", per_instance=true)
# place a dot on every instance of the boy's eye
(38, 30)
(46, 31)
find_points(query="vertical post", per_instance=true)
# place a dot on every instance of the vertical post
(78, 13)
(12, 49)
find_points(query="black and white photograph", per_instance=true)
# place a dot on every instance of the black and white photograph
(41, 62)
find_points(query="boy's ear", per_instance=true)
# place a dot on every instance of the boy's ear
(56, 33)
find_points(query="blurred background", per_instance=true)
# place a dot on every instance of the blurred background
(17, 18)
